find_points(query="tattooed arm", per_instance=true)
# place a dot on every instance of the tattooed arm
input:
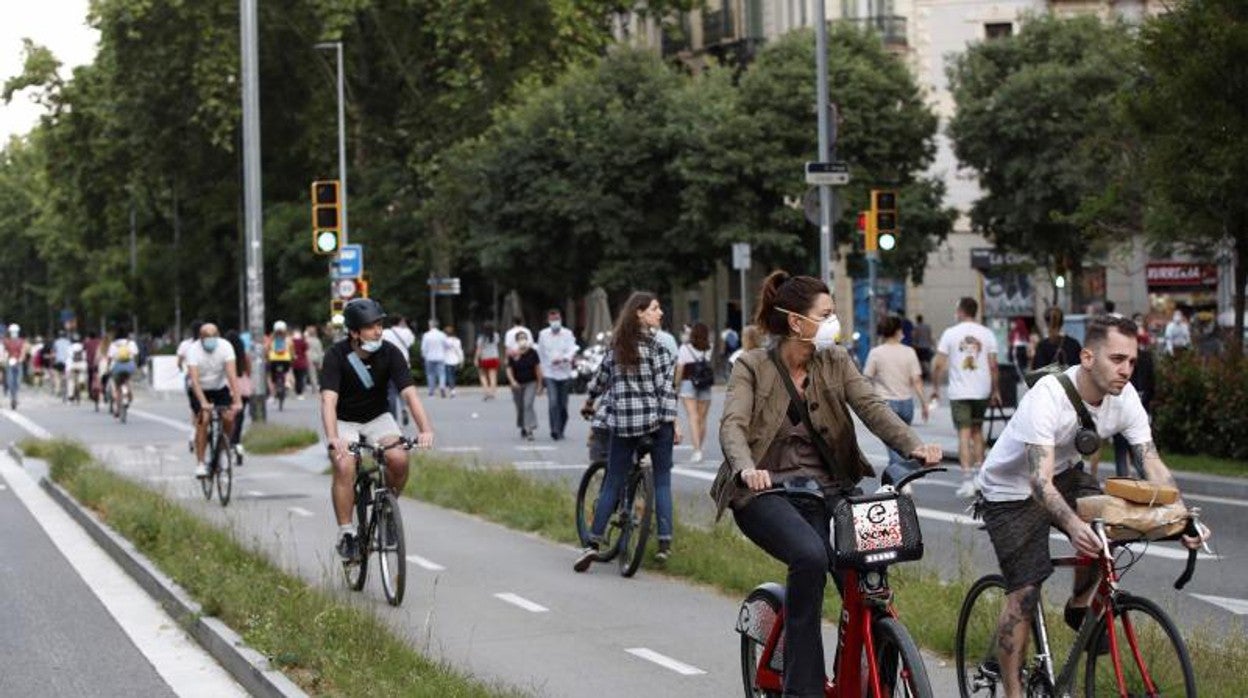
(1156, 471)
(1041, 462)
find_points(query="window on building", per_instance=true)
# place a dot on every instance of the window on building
(998, 30)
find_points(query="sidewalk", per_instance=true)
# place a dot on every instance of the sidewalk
(939, 429)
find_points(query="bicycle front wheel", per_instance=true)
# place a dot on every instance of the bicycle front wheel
(898, 661)
(206, 482)
(636, 512)
(391, 548)
(223, 468)
(1152, 655)
(975, 645)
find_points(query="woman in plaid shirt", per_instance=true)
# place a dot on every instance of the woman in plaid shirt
(637, 376)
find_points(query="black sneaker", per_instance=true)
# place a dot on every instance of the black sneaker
(348, 548)
(1074, 618)
(665, 551)
(587, 557)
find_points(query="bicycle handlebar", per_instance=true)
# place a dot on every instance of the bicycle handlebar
(357, 447)
(1191, 529)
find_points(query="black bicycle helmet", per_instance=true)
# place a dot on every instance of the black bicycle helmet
(362, 312)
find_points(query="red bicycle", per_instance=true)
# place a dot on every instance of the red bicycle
(875, 655)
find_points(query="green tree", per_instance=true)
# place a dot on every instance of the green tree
(1191, 113)
(1030, 110)
(885, 133)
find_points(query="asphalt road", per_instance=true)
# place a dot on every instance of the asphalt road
(506, 606)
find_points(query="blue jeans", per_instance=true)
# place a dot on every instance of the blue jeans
(905, 410)
(435, 374)
(450, 375)
(557, 401)
(12, 380)
(620, 462)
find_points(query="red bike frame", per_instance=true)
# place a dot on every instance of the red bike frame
(854, 636)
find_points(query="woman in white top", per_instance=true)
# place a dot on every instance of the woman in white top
(454, 356)
(894, 367)
(693, 368)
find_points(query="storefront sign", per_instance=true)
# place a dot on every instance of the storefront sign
(988, 259)
(1181, 275)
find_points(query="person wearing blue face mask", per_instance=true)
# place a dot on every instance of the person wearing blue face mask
(354, 379)
(556, 347)
(214, 383)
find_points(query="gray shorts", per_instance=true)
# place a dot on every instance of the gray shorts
(1020, 530)
(375, 430)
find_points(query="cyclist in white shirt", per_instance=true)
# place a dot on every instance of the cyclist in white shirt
(214, 383)
(1034, 475)
(123, 357)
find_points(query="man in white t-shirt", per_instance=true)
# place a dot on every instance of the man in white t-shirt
(1034, 475)
(214, 383)
(556, 348)
(969, 351)
(433, 350)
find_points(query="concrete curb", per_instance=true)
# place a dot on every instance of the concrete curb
(249, 668)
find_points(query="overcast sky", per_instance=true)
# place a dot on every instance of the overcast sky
(61, 25)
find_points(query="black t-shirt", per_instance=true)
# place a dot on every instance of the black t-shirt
(524, 367)
(1049, 351)
(355, 403)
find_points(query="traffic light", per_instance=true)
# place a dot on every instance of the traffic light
(884, 217)
(866, 228)
(326, 217)
(361, 285)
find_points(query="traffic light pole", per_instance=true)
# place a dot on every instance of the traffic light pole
(249, 44)
(873, 260)
(827, 142)
(342, 136)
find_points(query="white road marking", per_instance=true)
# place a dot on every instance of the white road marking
(425, 563)
(22, 421)
(181, 663)
(547, 465)
(254, 493)
(664, 661)
(521, 602)
(537, 448)
(181, 426)
(698, 474)
(1237, 606)
(528, 464)
(3, 487)
(1215, 500)
(459, 449)
(300, 511)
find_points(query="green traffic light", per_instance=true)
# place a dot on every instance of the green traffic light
(327, 241)
(887, 241)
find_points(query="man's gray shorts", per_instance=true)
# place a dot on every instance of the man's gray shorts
(1020, 530)
(374, 430)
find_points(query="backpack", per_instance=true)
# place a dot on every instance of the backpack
(701, 374)
(123, 352)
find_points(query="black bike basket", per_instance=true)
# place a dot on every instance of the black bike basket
(876, 530)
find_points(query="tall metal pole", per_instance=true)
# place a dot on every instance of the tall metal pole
(826, 141)
(342, 145)
(134, 266)
(249, 47)
(873, 260)
(745, 303)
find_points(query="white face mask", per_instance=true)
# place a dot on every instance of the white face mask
(372, 346)
(825, 336)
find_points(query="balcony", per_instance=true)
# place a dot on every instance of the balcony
(891, 28)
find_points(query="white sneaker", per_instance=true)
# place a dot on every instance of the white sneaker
(967, 489)
(201, 470)
(696, 457)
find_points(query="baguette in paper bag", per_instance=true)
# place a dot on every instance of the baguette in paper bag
(1130, 521)
(1141, 491)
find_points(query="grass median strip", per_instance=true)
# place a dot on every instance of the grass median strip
(327, 646)
(269, 438)
(719, 557)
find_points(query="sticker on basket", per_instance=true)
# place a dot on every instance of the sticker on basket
(877, 525)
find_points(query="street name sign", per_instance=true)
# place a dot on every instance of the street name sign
(834, 174)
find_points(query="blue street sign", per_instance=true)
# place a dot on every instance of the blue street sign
(350, 262)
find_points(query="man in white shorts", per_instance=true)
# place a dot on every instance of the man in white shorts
(354, 381)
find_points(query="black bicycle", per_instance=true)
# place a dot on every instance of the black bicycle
(221, 458)
(279, 383)
(378, 524)
(628, 529)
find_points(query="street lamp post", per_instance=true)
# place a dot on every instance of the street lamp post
(249, 45)
(342, 137)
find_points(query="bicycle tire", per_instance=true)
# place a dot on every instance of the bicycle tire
(391, 554)
(1162, 651)
(586, 501)
(224, 468)
(357, 571)
(750, 650)
(974, 644)
(898, 661)
(636, 512)
(206, 482)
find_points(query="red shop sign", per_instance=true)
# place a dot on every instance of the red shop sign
(1182, 274)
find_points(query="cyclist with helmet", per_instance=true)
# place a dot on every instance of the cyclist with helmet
(354, 381)
(280, 352)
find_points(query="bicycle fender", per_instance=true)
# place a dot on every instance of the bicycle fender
(760, 610)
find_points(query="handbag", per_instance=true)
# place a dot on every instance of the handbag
(876, 530)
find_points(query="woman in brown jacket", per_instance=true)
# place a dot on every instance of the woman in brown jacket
(765, 442)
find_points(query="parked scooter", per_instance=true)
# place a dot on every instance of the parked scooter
(587, 362)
